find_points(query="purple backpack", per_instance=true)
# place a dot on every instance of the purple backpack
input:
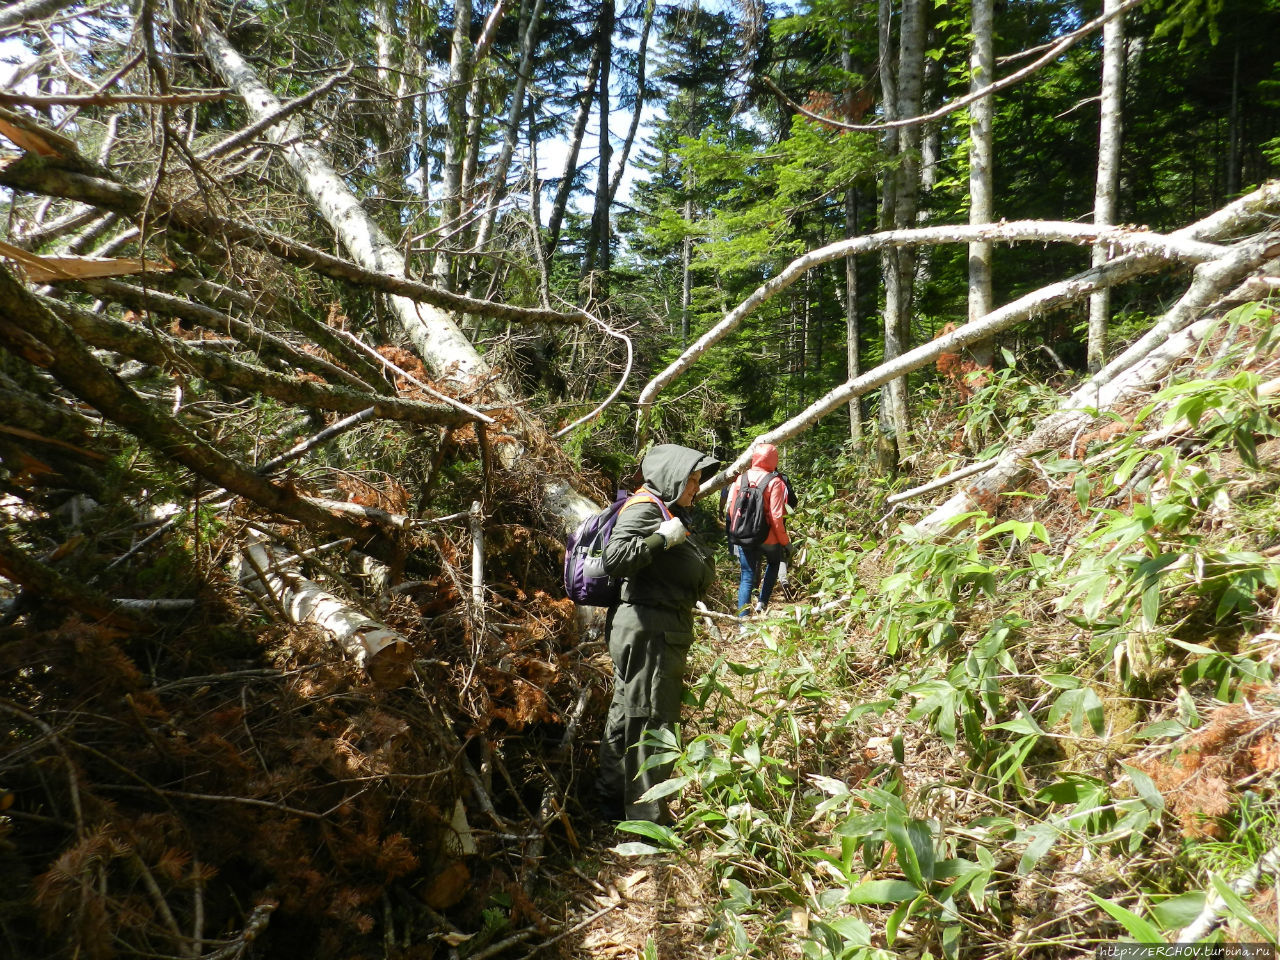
(585, 580)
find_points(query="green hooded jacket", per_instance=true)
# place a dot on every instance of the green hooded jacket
(654, 577)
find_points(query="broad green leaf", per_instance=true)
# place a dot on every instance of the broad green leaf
(882, 891)
(1063, 681)
(1151, 605)
(1161, 728)
(1177, 912)
(829, 785)
(951, 940)
(635, 849)
(1042, 837)
(1094, 712)
(894, 923)
(1145, 786)
(896, 824)
(666, 788)
(654, 831)
(1141, 930)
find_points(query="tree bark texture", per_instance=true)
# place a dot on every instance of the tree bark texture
(1110, 127)
(982, 66)
(1129, 376)
(378, 649)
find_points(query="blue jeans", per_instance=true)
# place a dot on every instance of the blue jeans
(749, 558)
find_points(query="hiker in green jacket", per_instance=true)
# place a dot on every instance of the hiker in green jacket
(664, 572)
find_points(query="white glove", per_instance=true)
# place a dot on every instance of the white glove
(672, 531)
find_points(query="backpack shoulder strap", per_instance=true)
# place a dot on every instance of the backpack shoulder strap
(642, 496)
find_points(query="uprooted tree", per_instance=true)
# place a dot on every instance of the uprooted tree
(236, 420)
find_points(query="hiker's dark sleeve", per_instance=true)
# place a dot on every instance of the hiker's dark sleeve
(635, 540)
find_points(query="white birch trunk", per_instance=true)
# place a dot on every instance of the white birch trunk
(851, 331)
(433, 333)
(1127, 376)
(982, 64)
(1150, 252)
(890, 267)
(901, 283)
(1147, 253)
(1211, 279)
(382, 652)
(1108, 182)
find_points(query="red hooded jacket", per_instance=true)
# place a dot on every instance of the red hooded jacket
(764, 459)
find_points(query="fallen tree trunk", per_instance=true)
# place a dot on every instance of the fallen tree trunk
(1245, 211)
(382, 652)
(1149, 252)
(435, 336)
(266, 345)
(39, 578)
(167, 353)
(1129, 375)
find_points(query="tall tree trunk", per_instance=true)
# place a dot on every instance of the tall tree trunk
(475, 117)
(686, 283)
(852, 333)
(901, 194)
(982, 64)
(455, 147)
(598, 238)
(893, 395)
(556, 218)
(642, 51)
(384, 28)
(528, 43)
(1233, 122)
(1104, 197)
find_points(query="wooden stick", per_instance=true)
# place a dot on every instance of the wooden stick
(286, 110)
(324, 436)
(111, 99)
(950, 478)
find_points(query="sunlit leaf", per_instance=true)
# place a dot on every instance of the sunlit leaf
(882, 891)
(1141, 930)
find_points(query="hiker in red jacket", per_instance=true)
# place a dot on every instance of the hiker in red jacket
(758, 538)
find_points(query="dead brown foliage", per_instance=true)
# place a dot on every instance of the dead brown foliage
(1201, 781)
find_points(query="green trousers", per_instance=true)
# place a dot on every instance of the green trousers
(649, 650)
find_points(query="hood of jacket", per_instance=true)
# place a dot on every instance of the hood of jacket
(667, 466)
(765, 457)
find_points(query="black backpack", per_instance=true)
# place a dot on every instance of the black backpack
(747, 523)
